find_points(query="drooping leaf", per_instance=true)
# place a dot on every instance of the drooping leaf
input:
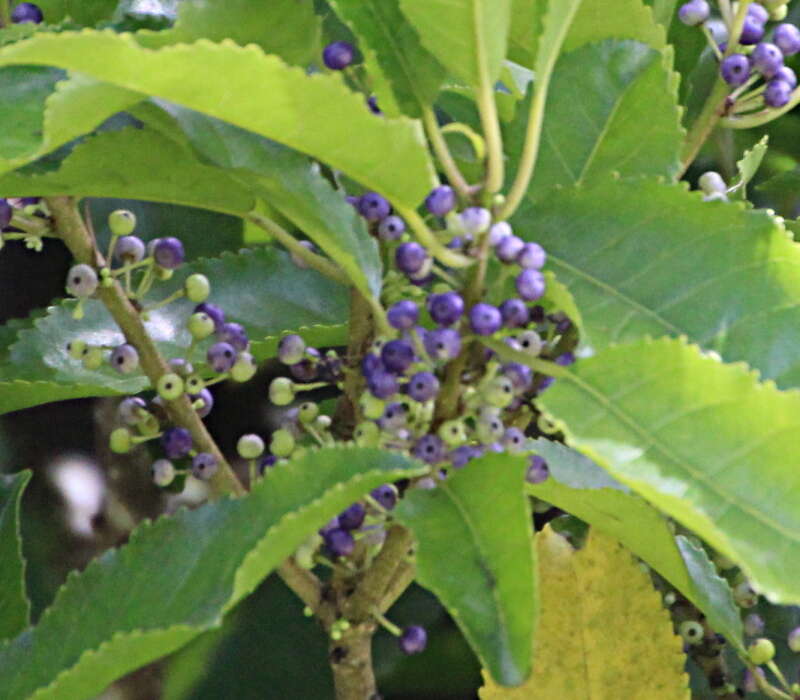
(704, 442)
(14, 604)
(289, 106)
(628, 121)
(181, 574)
(580, 487)
(469, 37)
(642, 257)
(288, 28)
(262, 290)
(615, 19)
(748, 166)
(487, 580)
(599, 611)
(390, 42)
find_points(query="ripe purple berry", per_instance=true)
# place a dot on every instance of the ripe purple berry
(125, 358)
(538, 470)
(777, 93)
(513, 439)
(27, 12)
(499, 231)
(423, 386)
(509, 248)
(532, 256)
(413, 640)
(129, 249)
(208, 402)
(429, 448)
(385, 495)
(443, 343)
(235, 334)
(353, 517)
(514, 313)
(382, 384)
(758, 12)
(694, 12)
(521, 376)
(787, 75)
(445, 309)
(787, 38)
(530, 284)
(441, 200)
(766, 59)
(475, 220)
(340, 543)
(204, 466)
(6, 212)
(81, 280)
(214, 312)
(397, 355)
(461, 456)
(338, 55)
(391, 228)
(410, 257)
(221, 356)
(373, 207)
(177, 442)
(752, 31)
(291, 349)
(735, 69)
(403, 315)
(485, 319)
(168, 252)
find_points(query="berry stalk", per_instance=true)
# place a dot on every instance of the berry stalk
(442, 152)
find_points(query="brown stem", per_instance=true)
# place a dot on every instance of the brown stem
(82, 245)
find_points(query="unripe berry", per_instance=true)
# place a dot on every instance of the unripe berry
(453, 432)
(499, 392)
(489, 429)
(120, 440)
(197, 288)
(691, 631)
(162, 472)
(307, 411)
(530, 343)
(281, 391)
(214, 312)
(778, 14)
(76, 349)
(323, 423)
(250, 446)
(81, 281)
(366, 434)
(92, 357)
(761, 651)
(180, 366)
(744, 596)
(203, 402)
(129, 249)
(125, 358)
(282, 443)
(291, 349)
(754, 625)
(244, 369)
(121, 222)
(131, 410)
(371, 406)
(204, 466)
(711, 182)
(194, 384)
(170, 387)
(793, 639)
(513, 439)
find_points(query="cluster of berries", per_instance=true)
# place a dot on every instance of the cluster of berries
(755, 58)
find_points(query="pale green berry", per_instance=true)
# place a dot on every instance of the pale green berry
(281, 391)
(93, 357)
(304, 555)
(163, 472)
(499, 392)
(76, 348)
(691, 631)
(170, 386)
(490, 430)
(761, 651)
(744, 596)
(122, 222)
(367, 434)
(250, 446)
(200, 325)
(81, 281)
(711, 182)
(322, 422)
(244, 369)
(282, 443)
(778, 14)
(162, 273)
(194, 384)
(453, 432)
(149, 425)
(197, 288)
(530, 343)
(120, 440)
(307, 411)
(371, 406)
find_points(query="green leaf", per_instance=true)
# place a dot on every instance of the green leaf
(615, 19)
(136, 164)
(390, 42)
(14, 604)
(487, 581)
(293, 186)
(664, 11)
(782, 191)
(748, 166)
(629, 120)
(288, 106)
(260, 289)
(712, 593)
(704, 442)
(287, 28)
(526, 26)
(182, 574)
(645, 258)
(580, 487)
(87, 12)
(468, 36)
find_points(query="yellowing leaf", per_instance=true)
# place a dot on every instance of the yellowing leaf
(603, 632)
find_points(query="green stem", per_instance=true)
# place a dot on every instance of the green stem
(164, 302)
(442, 152)
(702, 127)
(748, 121)
(5, 13)
(429, 240)
(487, 108)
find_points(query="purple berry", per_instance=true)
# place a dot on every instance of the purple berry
(566, 359)
(291, 349)
(394, 416)
(373, 207)
(413, 640)
(221, 356)
(235, 334)
(530, 284)
(27, 12)
(204, 466)
(403, 315)
(177, 442)
(443, 343)
(391, 228)
(735, 69)
(208, 402)
(266, 462)
(499, 231)
(766, 59)
(445, 309)
(509, 248)
(397, 355)
(532, 255)
(777, 93)
(787, 38)
(340, 543)
(382, 384)
(168, 252)
(461, 456)
(441, 200)
(6, 212)
(513, 439)
(521, 376)
(410, 257)
(372, 103)
(694, 12)
(475, 220)
(758, 12)
(125, 358)
(338, 55)
(787, 75)
(429, 448)
(214, 312)
(129, 249)
(752, 31)
(385, 495)
(304, 371)
(485, 319)
(514, 312)
(370, 364)
(353, 517)
(538, 470)
(423, 386)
